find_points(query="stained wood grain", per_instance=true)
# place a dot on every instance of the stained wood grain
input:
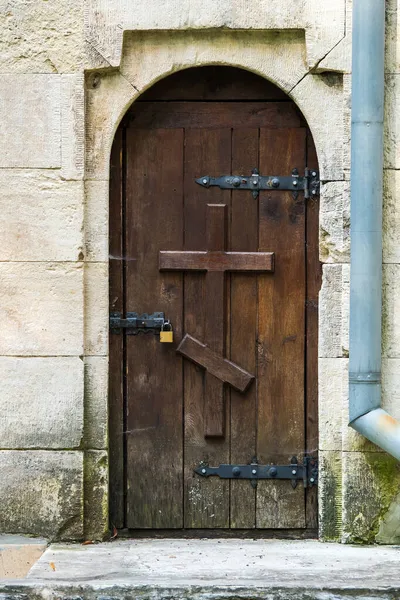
(213, 83)
(281, 332)
(116, 409)
(214, 389)
(237, 534)
(206, 500)
(215, 378)
(154, 371)
(206, 115)
(216, 261)
(243, 328)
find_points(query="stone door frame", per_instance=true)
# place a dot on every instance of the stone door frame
(146, 58)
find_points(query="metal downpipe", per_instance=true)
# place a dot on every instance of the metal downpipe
(367, 99)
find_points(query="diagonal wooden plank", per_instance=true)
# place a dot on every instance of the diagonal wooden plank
(176, 260)
(220, 367)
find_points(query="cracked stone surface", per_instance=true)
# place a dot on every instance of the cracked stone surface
(258, 563)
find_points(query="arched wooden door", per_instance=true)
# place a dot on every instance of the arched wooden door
(238, 277)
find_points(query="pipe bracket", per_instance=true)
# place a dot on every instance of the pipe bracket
(367, 377)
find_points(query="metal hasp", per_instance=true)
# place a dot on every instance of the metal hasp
(308, 183)
(307, 472)
(134, 323)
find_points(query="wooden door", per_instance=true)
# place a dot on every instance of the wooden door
(169, 410)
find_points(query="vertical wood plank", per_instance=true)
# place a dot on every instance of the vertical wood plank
(243, 328)
(116, 301)
(214, 394)
(206, 501)
(314, 280)
(281, 331)
(154, 222)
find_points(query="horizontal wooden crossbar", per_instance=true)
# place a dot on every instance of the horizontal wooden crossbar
(216, 261)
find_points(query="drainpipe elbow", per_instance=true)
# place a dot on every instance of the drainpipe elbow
(380, 428)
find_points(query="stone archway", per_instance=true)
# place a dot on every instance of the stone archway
(146, 59)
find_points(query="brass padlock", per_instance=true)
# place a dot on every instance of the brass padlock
(166, 335)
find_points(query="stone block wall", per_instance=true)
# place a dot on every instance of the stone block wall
(359, 500)
(69, 73)
(43, 456)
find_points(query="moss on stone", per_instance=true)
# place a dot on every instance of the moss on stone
(41, 493)
(95, 495)
(386, 471)
(330, 496)
(371, 483)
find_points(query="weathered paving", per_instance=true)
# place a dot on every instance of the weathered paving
(211, 569)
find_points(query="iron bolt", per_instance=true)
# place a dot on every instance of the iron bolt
(254, 471)
(275, 183)
(204, 180)
(236, 471)
(204, 471)
(273, 472)
(314, 192)
(254, 182)
(236, 181)
(294, 472)
(294, 182)
(313, 173)
(312, 479)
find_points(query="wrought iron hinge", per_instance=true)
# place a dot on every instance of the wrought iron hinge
(307, 183)
(307, 471)
(135, 323)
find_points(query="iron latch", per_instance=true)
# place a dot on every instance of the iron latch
(307, 471)
(307, 183)
(134, 323)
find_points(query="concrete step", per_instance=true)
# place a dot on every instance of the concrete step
(17, 555)
(211, 569)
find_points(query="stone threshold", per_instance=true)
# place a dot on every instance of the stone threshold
(210, 569)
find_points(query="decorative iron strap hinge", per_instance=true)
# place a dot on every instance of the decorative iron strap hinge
(308, 183)
(135, 323)
(307, 472)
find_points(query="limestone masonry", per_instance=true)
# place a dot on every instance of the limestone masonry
(69, 72)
